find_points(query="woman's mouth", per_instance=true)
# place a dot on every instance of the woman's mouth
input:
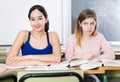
(36, 27)
(89, 31)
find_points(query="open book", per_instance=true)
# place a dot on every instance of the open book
(85, 64)
(114, 63)
(77, 62)
(94, 63)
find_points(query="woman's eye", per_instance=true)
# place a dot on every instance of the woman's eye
(92, 23)
(85, 23)
(32, 19)
(40, 18)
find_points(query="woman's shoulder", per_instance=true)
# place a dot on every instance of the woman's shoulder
(53, 37)
(72, 36)
(99, 35)
(23, 33)
(53, 34)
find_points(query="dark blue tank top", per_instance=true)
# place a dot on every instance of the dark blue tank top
(27, 49)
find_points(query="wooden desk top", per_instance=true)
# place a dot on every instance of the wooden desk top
(100, 70)
(110, 68)
(92, 71)
(95, 71)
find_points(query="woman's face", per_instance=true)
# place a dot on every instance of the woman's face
(37, 20)
(88, 26)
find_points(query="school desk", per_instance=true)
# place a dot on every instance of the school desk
(72, 75)
(101, 70)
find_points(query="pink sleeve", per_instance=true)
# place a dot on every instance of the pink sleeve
(69, 48)
(108, 52)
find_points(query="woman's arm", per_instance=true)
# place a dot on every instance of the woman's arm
(108, 52)
(28, 63)
(24, 61)
(70, 46)
(15, 49)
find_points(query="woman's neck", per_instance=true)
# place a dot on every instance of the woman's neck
(87, 36)
(37, 34)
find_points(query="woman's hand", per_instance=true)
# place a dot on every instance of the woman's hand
(15, 59)
(12, 60)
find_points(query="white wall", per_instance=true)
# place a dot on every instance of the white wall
(66, 20)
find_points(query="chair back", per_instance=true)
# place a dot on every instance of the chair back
(53, 76)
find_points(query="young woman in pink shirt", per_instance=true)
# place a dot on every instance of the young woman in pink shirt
(86, 42)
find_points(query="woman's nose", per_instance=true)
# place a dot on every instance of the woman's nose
(36, 21)
(89, 26)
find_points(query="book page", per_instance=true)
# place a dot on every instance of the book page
(91, 65)
(61, 66)
(77, 62)
(14, 67)
(86, 64)
(107, 62)
(2, 68)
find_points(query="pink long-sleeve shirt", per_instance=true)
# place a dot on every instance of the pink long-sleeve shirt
(97, 44)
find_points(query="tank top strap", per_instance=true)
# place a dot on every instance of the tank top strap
(47, 37)
(29, 36)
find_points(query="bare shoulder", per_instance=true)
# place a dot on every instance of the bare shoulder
(22, 36)
(53, 34)
(54, 37)
(23, 33)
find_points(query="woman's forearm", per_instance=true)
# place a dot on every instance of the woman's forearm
(29, 63)
(55, 58)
